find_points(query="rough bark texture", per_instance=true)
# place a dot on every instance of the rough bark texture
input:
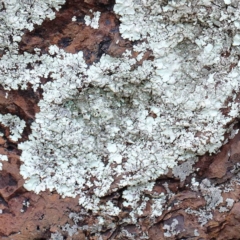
(48, 212)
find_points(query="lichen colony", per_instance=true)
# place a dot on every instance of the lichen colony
(123, 122)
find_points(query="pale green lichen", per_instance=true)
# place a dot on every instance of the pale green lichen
(15, 125)
(118, 124)
(94, 21)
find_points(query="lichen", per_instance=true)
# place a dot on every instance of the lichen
(94, 21)
(2, 158)
(119, 124)
(15, 125)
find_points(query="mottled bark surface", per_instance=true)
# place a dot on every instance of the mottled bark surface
(26, 215)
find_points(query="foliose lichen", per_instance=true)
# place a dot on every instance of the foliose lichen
(120, 124)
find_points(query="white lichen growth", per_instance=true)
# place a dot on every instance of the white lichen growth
(15, 125)
(117, 124)
(229, 202)
(213, 197)
(196, 233)
(56, 236)
(94, 21)
(212, 194)
(183, 170)
(203, 215)
(3, 158)
(227, 208)
(18, 15)
(74, 18)
(171, 230)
